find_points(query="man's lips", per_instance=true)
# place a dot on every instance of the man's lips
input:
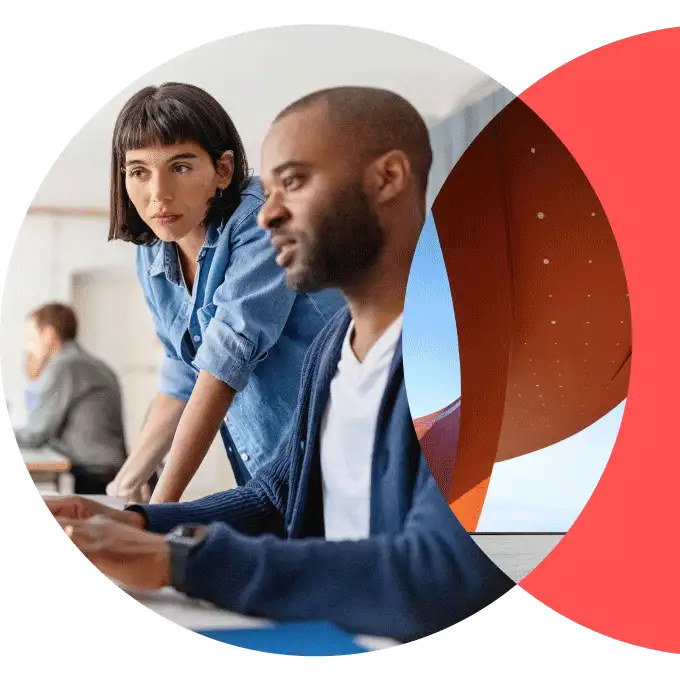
(278, 241)
(286, 255)
(285, 247)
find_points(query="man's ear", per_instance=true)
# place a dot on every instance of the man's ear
(389, 175)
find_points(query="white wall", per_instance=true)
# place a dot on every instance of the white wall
(50, 256)
(255, 75)
(47, 253)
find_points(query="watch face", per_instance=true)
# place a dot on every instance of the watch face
(194, 531)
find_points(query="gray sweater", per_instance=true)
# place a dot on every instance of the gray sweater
(78, 411)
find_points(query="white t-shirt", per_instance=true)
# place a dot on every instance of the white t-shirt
(348, 435)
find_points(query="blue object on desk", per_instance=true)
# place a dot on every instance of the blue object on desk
(294, 638)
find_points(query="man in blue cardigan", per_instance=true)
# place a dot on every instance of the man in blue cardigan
(346, 524)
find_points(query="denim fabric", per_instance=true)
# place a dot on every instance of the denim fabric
(240, 324)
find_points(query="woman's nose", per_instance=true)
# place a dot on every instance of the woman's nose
(161, 190)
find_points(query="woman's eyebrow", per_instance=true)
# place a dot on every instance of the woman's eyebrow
(176, 157)
(182, 157)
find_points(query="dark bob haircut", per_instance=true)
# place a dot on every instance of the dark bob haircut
(172, 113)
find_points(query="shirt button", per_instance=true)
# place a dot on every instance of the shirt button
(197, 338)
(244, 456)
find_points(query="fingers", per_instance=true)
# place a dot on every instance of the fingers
(58, 508)
(90, 536)
(95, 535)
(64, 507)
(131, 494)
(146, 493)
(138, 494)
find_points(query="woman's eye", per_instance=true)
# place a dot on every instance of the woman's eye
(181, 169)
(137, 172)
(292, 182)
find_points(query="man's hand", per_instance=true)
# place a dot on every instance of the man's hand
(33, 366)
(124, 553)
(140, 493)
(79, 508)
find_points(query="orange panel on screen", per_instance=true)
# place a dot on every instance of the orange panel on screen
(541, 306)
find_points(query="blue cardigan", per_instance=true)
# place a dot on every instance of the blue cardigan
(417, 573)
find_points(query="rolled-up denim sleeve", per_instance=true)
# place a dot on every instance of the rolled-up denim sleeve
(176, 378)
(249, 309)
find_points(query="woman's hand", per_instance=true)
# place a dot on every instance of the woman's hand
(130, 492)
(155, 439)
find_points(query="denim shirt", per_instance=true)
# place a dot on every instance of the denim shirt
(241, 325)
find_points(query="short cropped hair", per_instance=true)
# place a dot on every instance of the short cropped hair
(377, 121)
(60, 317)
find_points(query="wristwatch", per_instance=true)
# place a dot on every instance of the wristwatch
(183, 542)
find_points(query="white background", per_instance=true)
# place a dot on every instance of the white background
(64, 61)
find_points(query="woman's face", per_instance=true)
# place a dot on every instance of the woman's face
(170, 186)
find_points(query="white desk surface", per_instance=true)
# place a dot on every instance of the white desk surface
(197, 615)
(517, 554)
(45, 459)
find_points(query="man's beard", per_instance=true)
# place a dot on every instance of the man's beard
(347, 243)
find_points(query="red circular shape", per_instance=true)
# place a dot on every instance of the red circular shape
(616, 110)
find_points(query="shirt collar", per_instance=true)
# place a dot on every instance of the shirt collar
(213, 233)
(166, 262)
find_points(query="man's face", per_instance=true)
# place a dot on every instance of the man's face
(39, 342)
(320, 220)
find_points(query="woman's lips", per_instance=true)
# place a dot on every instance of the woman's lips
(166, 219)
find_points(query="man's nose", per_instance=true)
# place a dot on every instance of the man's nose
(272, 213)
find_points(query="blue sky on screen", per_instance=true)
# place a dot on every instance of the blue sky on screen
(543, 491)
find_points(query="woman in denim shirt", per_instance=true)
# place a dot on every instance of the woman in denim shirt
(234, 336)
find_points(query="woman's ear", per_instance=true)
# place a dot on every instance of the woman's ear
(225, 169)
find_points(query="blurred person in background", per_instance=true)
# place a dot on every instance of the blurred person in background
(75, 404)
(234, 335)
